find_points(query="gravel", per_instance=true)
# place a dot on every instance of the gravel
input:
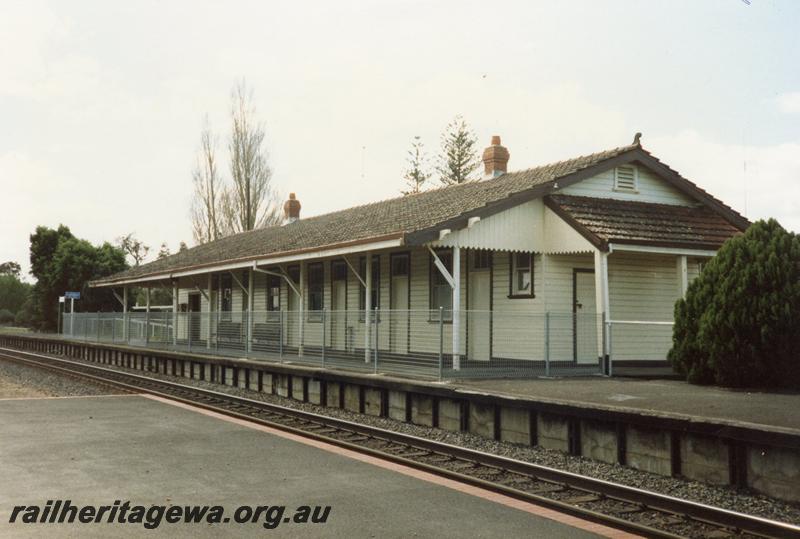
(22, 381)
(718, 496)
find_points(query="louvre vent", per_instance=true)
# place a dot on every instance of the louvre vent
(625, 178)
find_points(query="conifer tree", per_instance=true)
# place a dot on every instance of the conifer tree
(740, 322)
(417, 174)
(459, 158)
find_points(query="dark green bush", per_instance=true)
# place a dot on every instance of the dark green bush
(6, 316)
(739, 325)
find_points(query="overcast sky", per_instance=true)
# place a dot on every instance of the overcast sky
(101, 103)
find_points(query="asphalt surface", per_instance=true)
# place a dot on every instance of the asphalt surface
(96, 450)
(772, 409)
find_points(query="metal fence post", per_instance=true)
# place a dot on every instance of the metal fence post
(189, 325)
(547, 343)
(441, 342)
(147, 327)
(609, 346)
(280, 336)
(375, 323)
(114, 329)
(98, 327)
(324, 335)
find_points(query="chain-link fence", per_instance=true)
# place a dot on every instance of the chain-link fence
(638, 342)
(428, 344)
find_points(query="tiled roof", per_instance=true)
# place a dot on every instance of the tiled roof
(397, 216)
(623, 221)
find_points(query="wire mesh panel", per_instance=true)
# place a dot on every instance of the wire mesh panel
(434, 344)
(639, 341)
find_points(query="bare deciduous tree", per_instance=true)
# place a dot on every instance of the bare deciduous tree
(134, 248)
(208, 190)
(250, 201)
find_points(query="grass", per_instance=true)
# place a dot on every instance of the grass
(13, 329)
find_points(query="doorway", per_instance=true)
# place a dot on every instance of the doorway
(584, 316)
(194, 317)
(398, 300)
(338, 316)
(479, 326)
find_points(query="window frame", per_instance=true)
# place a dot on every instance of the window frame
(273, 280)
(225, 303)
(315, 289)
(512, 275)
(433, 274)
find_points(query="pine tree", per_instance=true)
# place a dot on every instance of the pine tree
(459, 158)
(416, 175)
(740, 322)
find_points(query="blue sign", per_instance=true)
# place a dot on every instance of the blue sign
(72, 295)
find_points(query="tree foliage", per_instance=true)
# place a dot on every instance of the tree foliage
(416, 174)
(10, 268)
(6, 316)
(134, 248)
(740, 322)
(61, 262)
(459, 158)
(13, 293)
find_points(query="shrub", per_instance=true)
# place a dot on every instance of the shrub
(6, 316)
(739, 325)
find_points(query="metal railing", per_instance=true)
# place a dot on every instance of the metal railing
(414, 343)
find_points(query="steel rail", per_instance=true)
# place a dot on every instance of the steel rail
(217, 401)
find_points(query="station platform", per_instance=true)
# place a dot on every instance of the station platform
(662, 398)
(96, 450)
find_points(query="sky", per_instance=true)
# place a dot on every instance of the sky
(101, 103)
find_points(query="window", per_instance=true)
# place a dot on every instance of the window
(626, 178)
(375, 296)
(273, 293)
(316, 290)
(226, 292)
(440, 290)
(338, 270)
(294, 274)
(400, 265)
(521, 277)
(481, 260)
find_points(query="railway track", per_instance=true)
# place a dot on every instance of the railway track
(618, 506)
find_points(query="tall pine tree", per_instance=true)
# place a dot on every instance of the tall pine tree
(416, 174)
(459, 158)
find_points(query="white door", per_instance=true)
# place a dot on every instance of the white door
(338, 316)
(479, 324)
(584, 324)
(292, 322)
(399, 316)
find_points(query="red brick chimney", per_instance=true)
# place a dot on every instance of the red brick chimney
(291, 209)
(495, 159)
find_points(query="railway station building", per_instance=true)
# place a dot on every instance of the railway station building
(571, 267)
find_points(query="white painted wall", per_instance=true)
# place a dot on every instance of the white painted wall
(651, 189)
